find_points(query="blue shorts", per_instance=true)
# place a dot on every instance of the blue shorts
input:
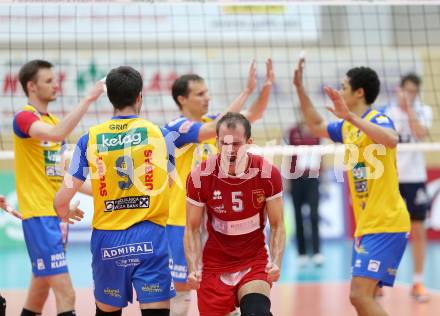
(45, 245)
(136, 257)
(377, 256)
(178, 265)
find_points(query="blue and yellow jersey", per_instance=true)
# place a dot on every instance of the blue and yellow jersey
(377, 203)
(189, 153)
(128, 160)
(38, 165)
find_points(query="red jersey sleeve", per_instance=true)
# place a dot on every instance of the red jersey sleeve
(273, 185)
(194, 187)
(22, 123)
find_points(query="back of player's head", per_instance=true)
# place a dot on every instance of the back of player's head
(28, 72)
(367, 79)
(232, 119)
(124, 84)
(181, 86)
(411, 77)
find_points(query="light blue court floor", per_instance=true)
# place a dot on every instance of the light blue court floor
(15, 267)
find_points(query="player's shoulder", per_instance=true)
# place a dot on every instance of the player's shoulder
(265, 167)
(180, 124)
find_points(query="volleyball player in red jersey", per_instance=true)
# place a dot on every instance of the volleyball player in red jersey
(232, 194)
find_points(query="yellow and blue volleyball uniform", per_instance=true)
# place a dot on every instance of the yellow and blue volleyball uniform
(128, 159)
(381, 218)
(189, 153)
(37, 165)
(38, 169)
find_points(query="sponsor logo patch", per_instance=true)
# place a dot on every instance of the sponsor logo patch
(373, 266)
(127, 203)
(127, 250)
(115, 141)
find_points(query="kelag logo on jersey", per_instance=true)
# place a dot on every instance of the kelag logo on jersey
(115, 141)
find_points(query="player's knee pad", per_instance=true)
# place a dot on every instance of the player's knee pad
(100, 312)
(180, 303)
(26, 312)
(155, 312)
(2, 306)
(69, 313)
(255, 304)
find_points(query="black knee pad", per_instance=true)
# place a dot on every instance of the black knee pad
(255, 304)
(102, 313)
(26, 312)
(155, 312)
(69, 313)
(2, 306)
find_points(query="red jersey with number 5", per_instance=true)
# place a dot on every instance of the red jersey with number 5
(233, 231)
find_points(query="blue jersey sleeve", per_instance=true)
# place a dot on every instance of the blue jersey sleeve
(187, 130)
(383, 121)
(79, 166)
(334, 130)
(170, 137)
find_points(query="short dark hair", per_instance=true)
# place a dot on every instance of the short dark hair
(124, 84)
(28, 72)
(181, 85)
(367, 79)
(411, 77)
(231, 119)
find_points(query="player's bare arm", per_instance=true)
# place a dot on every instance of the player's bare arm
(61, 203)
(193, 248)
(43, 131)
(8, 208)
(277, 238)
(313, 119)
(381, 135)
(207, 130)
(257, 108)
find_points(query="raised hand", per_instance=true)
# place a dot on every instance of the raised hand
(96, 92)
(298, 73)
(74, 214)
(340, 107)
(273, 272)
(402, 99)
(269, 74)
(252, 77)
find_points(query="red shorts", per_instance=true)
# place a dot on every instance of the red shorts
(218, 292)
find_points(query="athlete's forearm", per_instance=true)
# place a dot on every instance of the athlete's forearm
(381, 135)
(311, 116)
(277, 243)
(71, 120)
(257, 108)
(192, 248)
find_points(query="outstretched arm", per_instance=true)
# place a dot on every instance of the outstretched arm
(43, 131)
(312, 118)
(207, 130)
(380, 135)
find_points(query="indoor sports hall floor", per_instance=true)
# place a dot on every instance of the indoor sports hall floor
(301, 291)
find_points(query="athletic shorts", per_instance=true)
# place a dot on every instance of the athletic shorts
(218, 292)
(377, 256)
(136, 257)
(178, 265)
(45, 246)
(416, 198)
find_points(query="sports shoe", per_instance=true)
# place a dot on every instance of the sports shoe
(318, 259)
(303, 260)
(419, 293)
